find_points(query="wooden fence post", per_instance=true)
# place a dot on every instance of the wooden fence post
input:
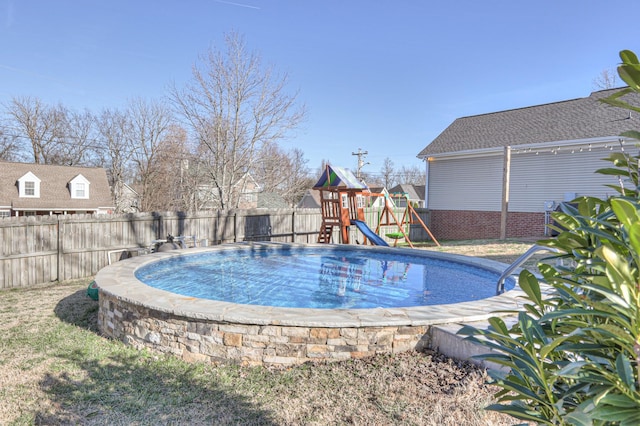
(59, 254)
(293, 226)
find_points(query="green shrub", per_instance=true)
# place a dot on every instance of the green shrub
(573, 357)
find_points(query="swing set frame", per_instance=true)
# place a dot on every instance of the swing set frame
(409, 217)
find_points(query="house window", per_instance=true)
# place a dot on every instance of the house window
(79, 187)
(5, 213)
(29, 186)
(29, 213)
(249, 197)
(30, 189)
(80, 190)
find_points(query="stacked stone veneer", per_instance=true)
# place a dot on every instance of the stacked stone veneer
(195, 339)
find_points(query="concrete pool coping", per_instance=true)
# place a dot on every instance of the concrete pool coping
(119, 281)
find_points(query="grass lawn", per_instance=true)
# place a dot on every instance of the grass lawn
(55, 368)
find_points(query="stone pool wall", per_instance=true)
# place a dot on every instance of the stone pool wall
(195, 339)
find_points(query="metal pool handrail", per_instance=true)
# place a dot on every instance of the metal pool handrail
(519, 261)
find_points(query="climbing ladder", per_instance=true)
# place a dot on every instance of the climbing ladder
(330, 205)
(326, 231)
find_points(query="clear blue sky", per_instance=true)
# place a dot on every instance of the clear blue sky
(384, 76)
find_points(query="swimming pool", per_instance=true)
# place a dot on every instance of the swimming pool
(321, 277)
(198, 327)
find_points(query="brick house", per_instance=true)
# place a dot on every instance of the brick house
(36, 189)
(498, 175)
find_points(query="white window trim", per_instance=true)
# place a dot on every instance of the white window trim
(73, 187)
(22, 183)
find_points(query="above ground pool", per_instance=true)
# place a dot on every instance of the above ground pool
(282, 304)
(322, 277)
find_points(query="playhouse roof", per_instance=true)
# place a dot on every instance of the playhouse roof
(339, 176)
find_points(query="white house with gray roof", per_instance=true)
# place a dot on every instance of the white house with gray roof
(497, 175)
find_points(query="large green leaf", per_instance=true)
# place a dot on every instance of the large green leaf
(530, 285)
(630, 74)
(498, 325)
(625, 372)
(620, 273)
(612, 172)
(629, 57)
(626, 416)
(521, 413)
(617, 400)
(625, 211)
(634, 239)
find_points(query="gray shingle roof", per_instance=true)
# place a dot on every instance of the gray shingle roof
(414, 192)
(271, 200)
(582, 118)
(54, 189)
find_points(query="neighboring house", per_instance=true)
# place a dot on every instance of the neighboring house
(498, 175)
(246, 187)
(310, 200)
(376, 200)
(413, 193)
(271, 200)
(37, 189)
(248, 190)
(129, 200)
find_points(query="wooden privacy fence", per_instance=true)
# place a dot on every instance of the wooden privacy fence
(41, 249)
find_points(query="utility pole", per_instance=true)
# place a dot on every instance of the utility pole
(361, 154)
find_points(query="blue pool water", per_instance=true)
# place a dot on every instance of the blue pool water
(321, 278)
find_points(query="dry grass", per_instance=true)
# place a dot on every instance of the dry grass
(56, 369)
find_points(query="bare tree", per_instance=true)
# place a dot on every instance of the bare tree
(608, 79)
(113, 130)
(388, 173)
(171, 187)
(56, 135)
(283, 173)
(149, 122)
(233, 106)
(9, 145)
(41, 124)
(412, 175)
(80, 132)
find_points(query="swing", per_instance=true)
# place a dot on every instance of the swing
(395, 236)
(398, 235)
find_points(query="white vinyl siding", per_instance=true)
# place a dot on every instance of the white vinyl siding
(473, 183)
(548, 176)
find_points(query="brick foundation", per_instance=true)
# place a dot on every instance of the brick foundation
(471, 225)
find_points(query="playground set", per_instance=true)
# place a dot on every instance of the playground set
(342, 201)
